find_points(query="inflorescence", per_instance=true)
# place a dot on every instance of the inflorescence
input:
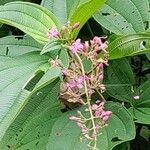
(79, 84)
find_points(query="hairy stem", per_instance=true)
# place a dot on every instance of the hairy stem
(88, 100)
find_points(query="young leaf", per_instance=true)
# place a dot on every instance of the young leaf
(120, 79)
(129, 45)
(65, 134)
(114, 17)
(141, 106)
(53, 47)
(31, 127)
(12, 46)
(64, 57)
(31, 18)
(84, 11)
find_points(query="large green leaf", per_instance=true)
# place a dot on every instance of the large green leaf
(33, 19)
(124, 16)
(15, 73)
(32, 125)
(141, 107)
(129, 45)
(65, 134)
(61, 8)
(120, 79)
(12, 46)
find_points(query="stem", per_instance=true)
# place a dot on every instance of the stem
(100, 95)
(88, 100)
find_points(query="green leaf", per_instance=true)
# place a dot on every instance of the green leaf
(61, 8)
(53, 47)
(120, 79)
(141, 107)
(12, 46)
(65, 134)
(15, 74)
(84, 11)
(129, 45)
(64, 57)
(31, 18)
(31, 127)
(114, 17)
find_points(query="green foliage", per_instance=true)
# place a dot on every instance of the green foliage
(129, 45)
(30, 18)
(121, 77)
(15, 74)
(65, 134)
(124, 16)
(12, 46)
(53, 47)
(31, 127)
(141, 107)
(30, 112)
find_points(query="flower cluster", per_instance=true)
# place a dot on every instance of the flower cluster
(79, 84)
(100, 116)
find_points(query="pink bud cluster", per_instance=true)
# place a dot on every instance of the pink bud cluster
(53, 33)
(98, 110)
(76, 46)
(101, 117)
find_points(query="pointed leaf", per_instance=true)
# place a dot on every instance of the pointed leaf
(129, 45)
(84, 11)
(53, 47)
(114, 17)
(121, 77)
(31, 18)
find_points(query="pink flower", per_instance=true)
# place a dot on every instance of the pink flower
(76, 25)
(106, 113)
(53, 32)
(136, 97)
(105, 118)
(71, 84)
(96, 41)
(74, 118)
(94, 107)
(76, 46)
(65, 72)
(100, 77)
(97, 126)
(101, 65)
(98, 112)
(103, 46)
